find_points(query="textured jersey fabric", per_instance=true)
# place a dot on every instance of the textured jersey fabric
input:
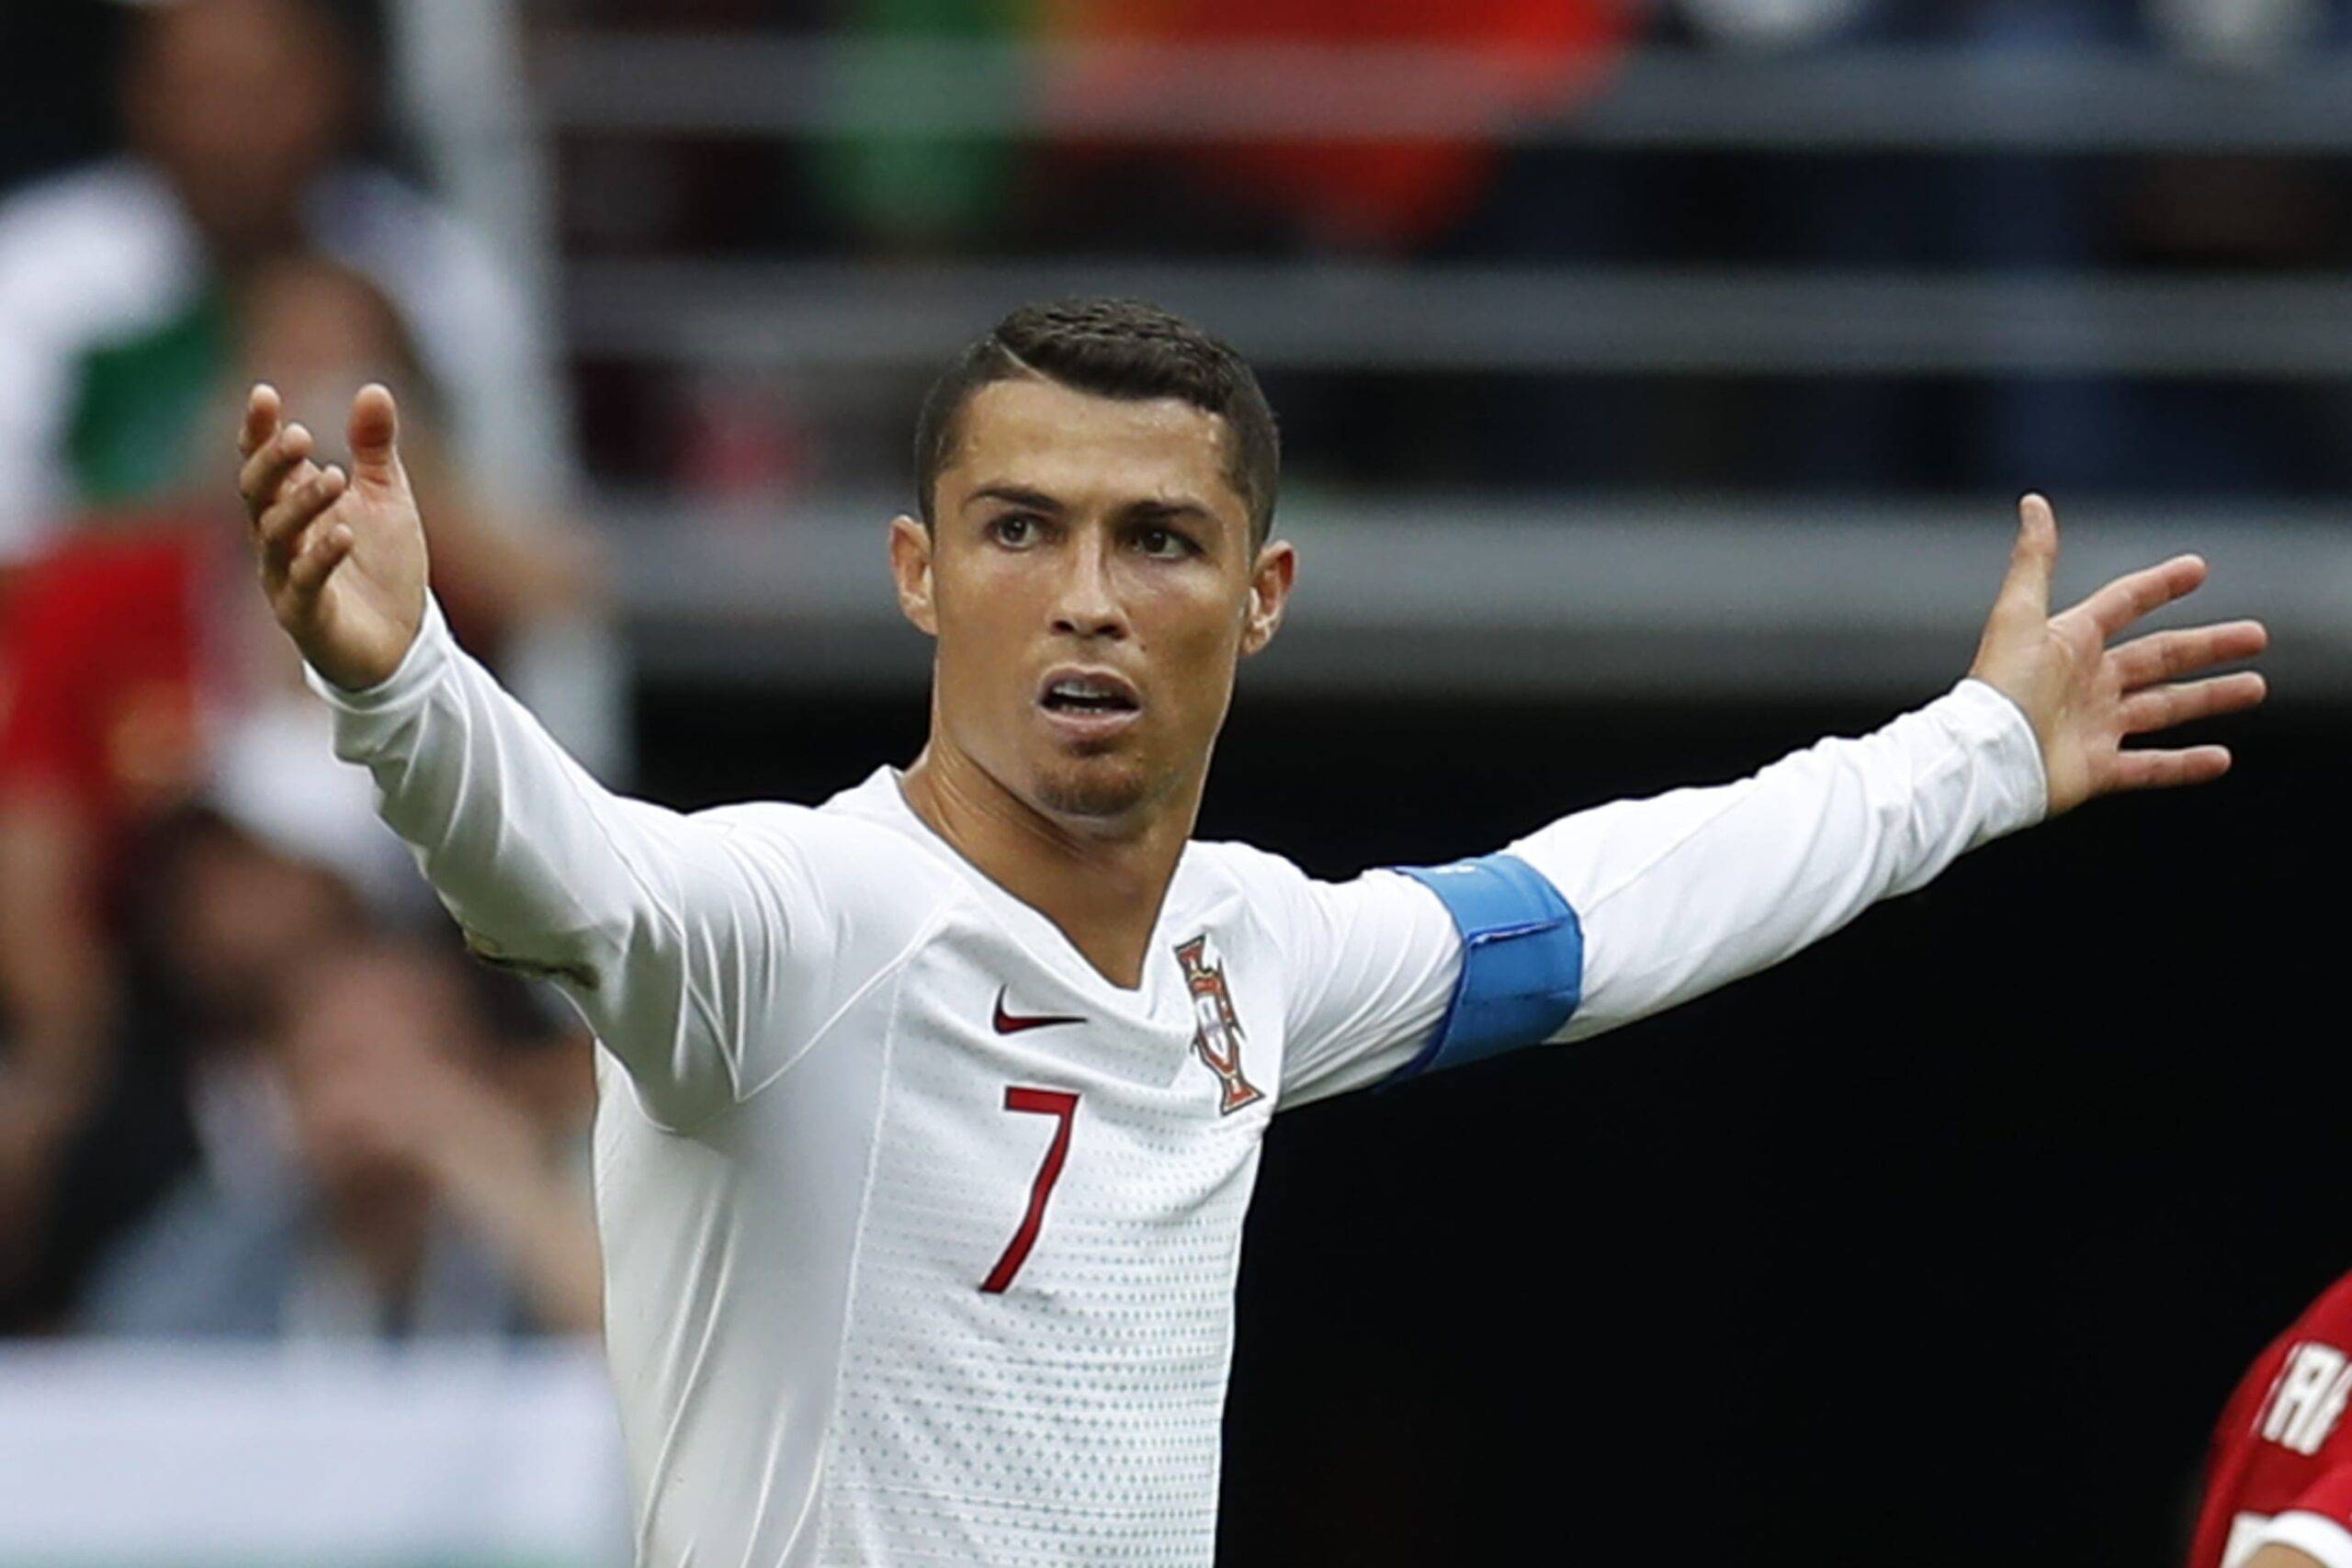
(920, 1236)
(2280, 1468)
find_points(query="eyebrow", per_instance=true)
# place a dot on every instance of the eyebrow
(1039, 500)
(1036, 500)
(1170, 509)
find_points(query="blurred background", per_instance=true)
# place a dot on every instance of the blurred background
(1658, 377)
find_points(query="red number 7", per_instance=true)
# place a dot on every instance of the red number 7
(1053, 1102)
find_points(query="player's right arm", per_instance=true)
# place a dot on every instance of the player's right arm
(683, 939)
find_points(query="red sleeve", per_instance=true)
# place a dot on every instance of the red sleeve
(2331, 1494)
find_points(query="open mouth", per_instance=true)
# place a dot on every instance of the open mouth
(1089, 693)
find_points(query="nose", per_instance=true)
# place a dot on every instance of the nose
(1087, 602)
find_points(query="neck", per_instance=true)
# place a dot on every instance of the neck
(1101, 884)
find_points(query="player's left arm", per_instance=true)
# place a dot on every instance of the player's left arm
(1615, 913)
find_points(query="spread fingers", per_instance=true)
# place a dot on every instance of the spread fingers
(2138, 593)
(2161, 707)
(2168, 655)
(2167, 770)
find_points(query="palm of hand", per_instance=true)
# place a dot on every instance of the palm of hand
(342, 557)
(367, 612)
(2083, 698)
(2086, 737)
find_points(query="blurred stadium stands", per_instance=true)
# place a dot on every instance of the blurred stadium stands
(1902, 261)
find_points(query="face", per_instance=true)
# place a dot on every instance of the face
(201, 67)
(1092, 588)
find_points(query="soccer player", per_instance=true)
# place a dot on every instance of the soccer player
(927, 1116)
(2278, 1482)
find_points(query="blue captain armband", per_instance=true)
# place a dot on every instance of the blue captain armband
(1522, 960)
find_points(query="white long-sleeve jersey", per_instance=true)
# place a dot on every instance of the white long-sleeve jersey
(920, 1235)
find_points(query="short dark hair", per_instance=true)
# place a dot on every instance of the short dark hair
(1112, 348)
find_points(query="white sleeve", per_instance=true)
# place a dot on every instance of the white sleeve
(697, 947)
(1678, 894)
(2316, 1536)
(1370, 968)
(1665, 899)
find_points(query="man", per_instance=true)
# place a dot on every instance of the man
(929, 1116)
(2279, 1485)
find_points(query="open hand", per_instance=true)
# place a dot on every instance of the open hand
(2083, 697)
(342, 555)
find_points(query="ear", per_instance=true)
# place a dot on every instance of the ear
(1270, 586)
(911, 551)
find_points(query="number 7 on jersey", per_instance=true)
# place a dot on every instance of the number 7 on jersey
(1062, 1105)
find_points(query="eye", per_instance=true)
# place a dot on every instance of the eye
(1013, 528)
(1165, 544)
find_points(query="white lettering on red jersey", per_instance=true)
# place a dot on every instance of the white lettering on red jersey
(2280, 1470)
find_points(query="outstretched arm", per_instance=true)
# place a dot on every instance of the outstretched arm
(671, 933)
(1661, 900)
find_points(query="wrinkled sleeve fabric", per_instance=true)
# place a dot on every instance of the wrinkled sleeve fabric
(699, 948)
(1619, 912)
(1679, 894)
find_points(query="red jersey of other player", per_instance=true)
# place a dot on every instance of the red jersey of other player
(2278, 1486)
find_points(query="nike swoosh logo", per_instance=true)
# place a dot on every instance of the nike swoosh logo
(1014, 1023)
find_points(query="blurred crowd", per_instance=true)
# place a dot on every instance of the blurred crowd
(1535, 202)
(247, 1084)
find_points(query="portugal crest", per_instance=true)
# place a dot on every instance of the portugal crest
(1217, 1027)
